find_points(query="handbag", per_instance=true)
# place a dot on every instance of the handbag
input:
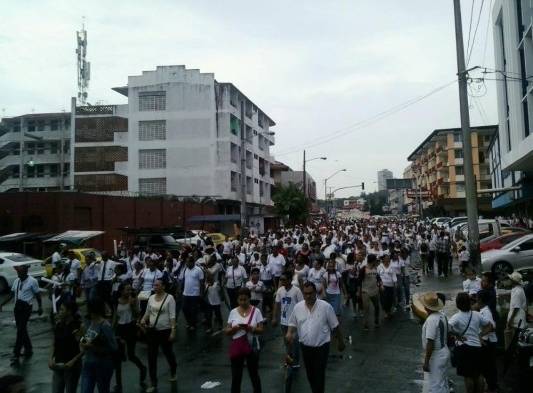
(456, 350)
(240, 347)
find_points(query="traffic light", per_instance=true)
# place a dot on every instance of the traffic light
(362, 185)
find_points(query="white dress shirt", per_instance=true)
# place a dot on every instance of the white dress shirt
(314, 326)
(25, 290)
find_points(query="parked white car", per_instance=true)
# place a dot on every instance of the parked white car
(10, 260)
(188, 237)
(513, 256)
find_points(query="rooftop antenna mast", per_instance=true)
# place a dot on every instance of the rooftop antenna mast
(84, 67)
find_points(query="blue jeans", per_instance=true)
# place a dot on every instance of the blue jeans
(96, 374)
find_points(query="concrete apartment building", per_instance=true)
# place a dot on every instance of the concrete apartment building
(437, 167)
(35, 152)
(179, 134)
(283, 175)
(383, 175)
(511, 150)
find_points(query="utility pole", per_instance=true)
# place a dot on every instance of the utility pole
(244, 218)
(304, 180)
(470, 181)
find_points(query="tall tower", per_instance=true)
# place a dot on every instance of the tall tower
(84, 67)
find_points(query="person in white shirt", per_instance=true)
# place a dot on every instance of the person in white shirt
(74, 265)
(468, 326)
(316, 276)
(235, 279)
(25, 288)
(137, 276)
(160, 318)
(490, 340)
(227, 249)
(388, 278)
(266, 277)
(334, 287)
(193, 285)
(276, 262)
(287, 296)
(517, 308)
(106, 274)
(212, 289)
(472, 284)
(312, 323)
(434, 343)
(56, 256)
(150, 275)
(256, 287)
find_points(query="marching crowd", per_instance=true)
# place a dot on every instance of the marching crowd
(299, 278)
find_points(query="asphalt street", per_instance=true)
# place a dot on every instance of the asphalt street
(384, 360)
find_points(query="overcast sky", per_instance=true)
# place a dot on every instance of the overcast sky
(316, 67)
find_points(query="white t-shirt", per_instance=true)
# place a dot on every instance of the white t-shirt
(288, 300)
(314, 326)
(387, 275)
(316, 277)
(192, 280)
(302, 274)
(256, 289)
(235, 319)
(227, 247)
(75, 266)
(332, 282)
(276, 263)
(56, 259)
(472, 287)
(168, 311)
(213, 294)
(518, 300)
(487, 314)
(435, 329)
(235, 277)
(149, 278)
(265, 273)
(459, 322)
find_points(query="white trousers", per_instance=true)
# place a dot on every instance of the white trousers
(438, 371)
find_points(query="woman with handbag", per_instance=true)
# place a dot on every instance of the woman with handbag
(125, 324)
(467, 326)
(159, 321)
(244, 323)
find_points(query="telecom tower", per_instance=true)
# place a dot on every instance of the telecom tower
(84, 67)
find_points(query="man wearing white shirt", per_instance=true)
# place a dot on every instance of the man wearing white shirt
(517, 308)
(193, 285)
(106, 274)
(314, 321)
(276, 261)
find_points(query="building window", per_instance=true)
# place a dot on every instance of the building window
(233, 98)
(459, 170)
(30, 146)
(260, 120)
(152, 159)
(481, 157)
(155, 130)
(40, 148)
(460, 187)
(54, 170)
(261, 188)
(459, 153)
(30, 171)
(249, 185)
(234, 181)
(31, 125)
(54, 125)
(256, 181)
(53, 147)
(155, 186)
(16, 127)
(234, 153)
(261, 142)
(152, 101)
(457, 137)
(40, 125)
(235, 125)
(249, 160)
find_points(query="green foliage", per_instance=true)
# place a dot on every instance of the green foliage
(290, 201)
(375, 202)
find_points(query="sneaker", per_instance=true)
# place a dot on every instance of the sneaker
(172, 378)
(151, 389)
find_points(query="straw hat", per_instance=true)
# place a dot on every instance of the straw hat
(431, 301)
(516, 277)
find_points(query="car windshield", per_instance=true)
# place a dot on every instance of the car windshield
(515, 243)
(20, 258)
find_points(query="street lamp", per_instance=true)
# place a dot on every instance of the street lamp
(304, 182)
(326, 185)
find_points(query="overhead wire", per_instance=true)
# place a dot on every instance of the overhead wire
(475, 32)
(487, 32)
(364, 123)
(470, 25)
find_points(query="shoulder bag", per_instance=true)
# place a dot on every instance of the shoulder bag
(240, 347)
(457, 350)
(152, 328)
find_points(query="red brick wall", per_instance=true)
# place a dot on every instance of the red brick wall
(55, 212)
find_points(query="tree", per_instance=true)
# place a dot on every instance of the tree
(290, 201)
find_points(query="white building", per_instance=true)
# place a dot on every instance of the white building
(383, 175)
(31, 157)
(183, 137)
(511, 151)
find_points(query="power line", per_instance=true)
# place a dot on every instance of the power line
(364, 123)
(475, 33)
(470, 25)
(487, 32)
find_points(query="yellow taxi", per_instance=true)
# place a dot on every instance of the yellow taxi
(219, 238)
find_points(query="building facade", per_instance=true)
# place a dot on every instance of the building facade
(511, 150)
(35, 152)
(383, 175)
(437, 167)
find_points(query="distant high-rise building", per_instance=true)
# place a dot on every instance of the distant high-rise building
(383, 175)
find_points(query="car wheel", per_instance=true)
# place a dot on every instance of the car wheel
(3, 285)
(501, 270)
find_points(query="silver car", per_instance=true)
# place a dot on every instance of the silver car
(513, 256)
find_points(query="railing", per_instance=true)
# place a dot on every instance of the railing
(95, 110)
